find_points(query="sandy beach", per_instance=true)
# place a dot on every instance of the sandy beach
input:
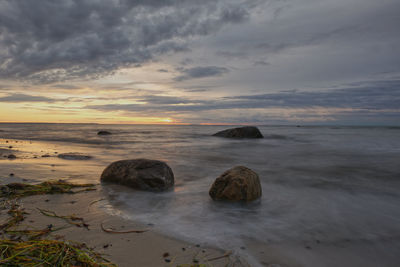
(127, 249)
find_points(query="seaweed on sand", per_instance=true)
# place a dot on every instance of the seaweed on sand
(48, 253)
(71, 219)
(26, 247)
(16, 190)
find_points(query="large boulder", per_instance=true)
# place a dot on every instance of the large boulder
(142, 174)
(241, 132)
(237, 184)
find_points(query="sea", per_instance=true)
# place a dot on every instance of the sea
(324, 184)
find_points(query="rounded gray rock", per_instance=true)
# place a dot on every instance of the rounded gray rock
(237, 184)
(142, 174)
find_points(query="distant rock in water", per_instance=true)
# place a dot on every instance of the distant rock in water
(237, 184)
(11, 156)
(103, 133)
(142, 174)
(74, 156)
(241, 132)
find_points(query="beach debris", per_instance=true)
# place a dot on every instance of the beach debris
(74, 156)
(94, 201)
(107, 230)
(103, 133)
(142, 174)
(46, 156)
(15, 190)
(11, 156)
(33, 234)
(226, 254)
(11, 174)
(16, 215)
(71, 219)
(241, 132)
(166, 254)
(10, 147)
(26, 248)
(237, 184)
(49, 253)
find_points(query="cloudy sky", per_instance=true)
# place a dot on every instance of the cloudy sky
(209, 61)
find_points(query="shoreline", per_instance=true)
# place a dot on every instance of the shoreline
(149, 248)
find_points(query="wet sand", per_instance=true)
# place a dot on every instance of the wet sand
(127, 249)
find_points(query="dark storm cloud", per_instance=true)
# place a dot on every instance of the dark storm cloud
(377, 96)
(16, 98)
(51, 40)
(201, 72)
(373, 96)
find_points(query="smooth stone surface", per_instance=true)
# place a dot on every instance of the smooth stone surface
(74, 156)
(240, 132)
(103, 133)
(142, 174)
(237, 184)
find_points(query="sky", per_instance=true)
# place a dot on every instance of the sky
(200, 62)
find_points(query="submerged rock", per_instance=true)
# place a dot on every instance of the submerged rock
(241, 132)
(74, 156)
(142, 174)
(237, 184)
(103, 133)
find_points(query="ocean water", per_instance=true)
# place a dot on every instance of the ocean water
(320, 183)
